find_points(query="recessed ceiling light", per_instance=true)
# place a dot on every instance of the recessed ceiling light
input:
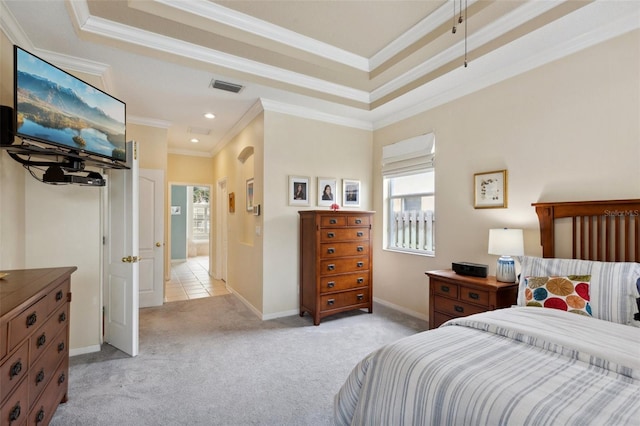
(194, 140)
(210, 115)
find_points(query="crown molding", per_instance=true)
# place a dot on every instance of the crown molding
(220, 14)
(255, 110)
(12, 28)
(150, 122)
(128, 34)
(313, 114)
(189, 153)
(591, 25)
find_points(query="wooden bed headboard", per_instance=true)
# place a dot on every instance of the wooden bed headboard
(607, 231)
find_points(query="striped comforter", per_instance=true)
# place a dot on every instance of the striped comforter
(517, 366)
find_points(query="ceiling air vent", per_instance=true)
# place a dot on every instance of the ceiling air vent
(223, 85)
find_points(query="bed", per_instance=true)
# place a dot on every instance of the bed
(528, 364)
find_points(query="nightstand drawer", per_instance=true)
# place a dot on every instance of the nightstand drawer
(478, 297)
(328, 250)
(445, 288)
(456, 307)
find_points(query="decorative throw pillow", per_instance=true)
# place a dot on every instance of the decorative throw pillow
(570, 293)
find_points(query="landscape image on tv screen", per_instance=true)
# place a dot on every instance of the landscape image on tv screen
(55, 107)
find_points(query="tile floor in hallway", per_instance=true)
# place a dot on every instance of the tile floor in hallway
(191, 280)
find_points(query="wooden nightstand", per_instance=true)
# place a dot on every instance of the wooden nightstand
(452, 295)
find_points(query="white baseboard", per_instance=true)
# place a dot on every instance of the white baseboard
(281, 314)
(85, 350)
(245, 302)
(401, 309)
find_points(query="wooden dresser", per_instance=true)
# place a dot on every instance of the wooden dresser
(452, 295)
(335, 262)
(34, 344)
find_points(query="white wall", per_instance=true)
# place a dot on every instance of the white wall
(565, 131)
(302, 147)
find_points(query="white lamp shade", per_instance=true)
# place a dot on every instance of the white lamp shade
(506, 242)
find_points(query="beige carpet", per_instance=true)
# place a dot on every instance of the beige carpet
(213, 362)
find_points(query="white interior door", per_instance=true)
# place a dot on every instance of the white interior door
(121, 282)
(151, 241)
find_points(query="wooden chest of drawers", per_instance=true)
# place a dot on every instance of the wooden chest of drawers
(452, 295)
(335, 262)
(34, 344)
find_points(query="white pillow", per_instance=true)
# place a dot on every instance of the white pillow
(613, 284)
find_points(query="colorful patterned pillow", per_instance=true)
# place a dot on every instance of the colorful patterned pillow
(570, 293)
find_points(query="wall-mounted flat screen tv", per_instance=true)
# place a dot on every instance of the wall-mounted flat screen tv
(54, 107)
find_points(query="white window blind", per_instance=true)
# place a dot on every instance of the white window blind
(408, 156)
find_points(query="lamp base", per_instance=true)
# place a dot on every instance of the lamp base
(506, 269)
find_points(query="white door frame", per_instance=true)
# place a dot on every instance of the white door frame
(168, 237)
(222, 217)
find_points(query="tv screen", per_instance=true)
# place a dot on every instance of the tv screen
(54, 107)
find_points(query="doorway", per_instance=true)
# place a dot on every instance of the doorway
(190, 236)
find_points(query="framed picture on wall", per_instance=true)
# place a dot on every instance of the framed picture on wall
(490, 190)
(250, 195)
(327, 191)
(299, 191)
(350, 193)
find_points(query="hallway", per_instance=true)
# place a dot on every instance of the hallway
(190, 280)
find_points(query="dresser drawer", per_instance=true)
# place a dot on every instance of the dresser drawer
(340, 266)
(332, 221)
(14, 369)
(347, 298)
(40, 341)
(456, 307)
(445, 289)
(359, 220)
(59, 296)
(479, 297)
(328, 250)
(27, 321)
(346, 234)
(344, 282)
(42, 412)
(45, 368)
(440, 319)
(15, 409)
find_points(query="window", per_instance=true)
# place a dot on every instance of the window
(409, 194)
(201, 213)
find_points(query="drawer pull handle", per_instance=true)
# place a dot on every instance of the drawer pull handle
(474, 296)
(59, 296)
(358, 221)
(360, 296)
(360, 264)
(31, 319)
(444, 289)
(15, 370)
(331, 250)
(331, 267)
(458, 308)
(60, 347)
(360, 234)
(15, 413)
(331, 234)
(333, 221)
(40, 416)
(360, 248)
(62, 317)
(330, 302)
(331, 284)
(360, 280)
(41, 340)
(40, 376)
(61, 379)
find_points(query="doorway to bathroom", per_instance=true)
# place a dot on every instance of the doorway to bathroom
(190, 229)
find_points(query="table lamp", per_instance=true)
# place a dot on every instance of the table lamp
(506, 243)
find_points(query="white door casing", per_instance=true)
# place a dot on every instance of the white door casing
(221, 230)
(151, 241)
(120, 290)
